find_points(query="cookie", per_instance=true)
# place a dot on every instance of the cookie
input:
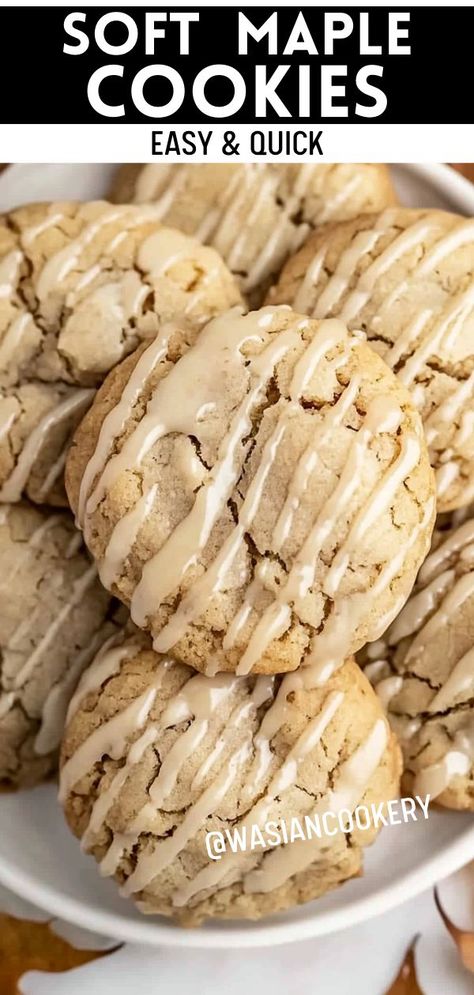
(54, 615)
(406, 278)
(81, 285)
(255, 214)
(37, 421)
(263, 501)
(423, 671)
(155, 756)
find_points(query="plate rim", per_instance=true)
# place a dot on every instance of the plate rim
(266, 933)
(252, 935)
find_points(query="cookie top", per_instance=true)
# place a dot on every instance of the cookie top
(423, 671)
(155, 756)
(54, 615)
(255, 214)
(82, 284)
(263, 500)
(406, 278)
(37, 421)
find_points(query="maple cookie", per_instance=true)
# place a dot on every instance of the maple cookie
(406, 278)
(255, 214)
(423, 671)
(263, 501)
(53, 617)
(155, 756)
(81, 285)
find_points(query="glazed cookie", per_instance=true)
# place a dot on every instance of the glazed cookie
(80, 286)
(406, 278)
(263, 501)
(54, 615)
(255, 215)
(37, 422)
(83, 284)
(154, 757)
(423, 671)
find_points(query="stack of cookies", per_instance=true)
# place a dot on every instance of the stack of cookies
(253, 386)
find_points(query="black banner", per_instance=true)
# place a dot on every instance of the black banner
(236, 65)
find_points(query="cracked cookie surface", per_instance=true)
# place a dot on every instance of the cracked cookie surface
(81, 285)
(195, 754)
(54, 615)
(423, 671)
(262, 501)
(406, 278)
(255, 214)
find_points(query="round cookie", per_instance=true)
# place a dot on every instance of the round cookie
(54, 615)
(423, 671)
(84, 283)
(406, 278)
(255, 214)
(81, 285)
(263, 500)
(155, 756)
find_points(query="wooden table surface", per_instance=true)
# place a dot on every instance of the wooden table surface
(466, 168)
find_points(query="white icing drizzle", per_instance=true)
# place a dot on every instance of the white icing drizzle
(329, 336)
(351, 782)
(419, 607)
(29, 548)
(284, 235)
(9, 272)
(106, 664)
(166, 247)
(436, 778)
(373, 669)
(339, 282)
(75, 402)
(454, 313)
(330, 646)
(79, 588)
(173, 407)
(242, 202)
(332, 205)
(52, 220)
(449, 409)
(12, 338)
(405, 242)
(109, 738)
(130, 732)
(463, 590)
(212, 875)
(378, 503)
(163, 572)
(116, 419)
(54, 472)
(459, 682)
(429, 333)
(304, 291)
(9, 410)
(445, 584)
(149, 865)
(383, 415)
(53, 715)
(59, 265)
(255, 588)
(388, 688)
(7, 701)
(124, 536)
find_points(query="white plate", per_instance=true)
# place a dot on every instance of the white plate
(40, 860)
